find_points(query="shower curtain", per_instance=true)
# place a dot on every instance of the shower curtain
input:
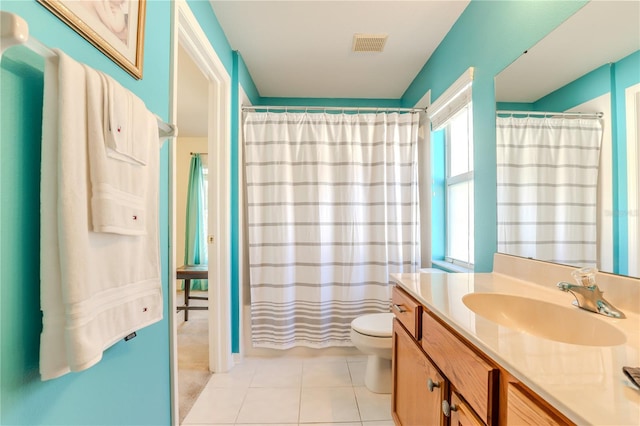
(195, 248)
(547, 179)
(332, 206)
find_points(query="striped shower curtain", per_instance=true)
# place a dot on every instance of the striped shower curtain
(332, 203)
(547, 188)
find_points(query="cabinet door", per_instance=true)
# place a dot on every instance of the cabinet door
(412, 401)
(462, 414)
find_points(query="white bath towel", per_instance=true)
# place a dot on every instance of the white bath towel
(96, 288)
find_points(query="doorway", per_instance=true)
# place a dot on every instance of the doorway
(192, 53)
(191, 170)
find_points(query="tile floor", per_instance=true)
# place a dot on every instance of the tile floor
(324, 390)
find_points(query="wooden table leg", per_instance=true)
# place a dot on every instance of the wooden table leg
(187, 289)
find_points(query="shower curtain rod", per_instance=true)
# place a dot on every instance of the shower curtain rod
(15, 31)
(320, 108)
(545, 113)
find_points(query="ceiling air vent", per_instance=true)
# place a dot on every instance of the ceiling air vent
(369, 42)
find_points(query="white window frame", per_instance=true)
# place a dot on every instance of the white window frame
(450, 181)
(447, 106)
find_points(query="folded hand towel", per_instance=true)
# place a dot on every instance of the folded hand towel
(122, 114)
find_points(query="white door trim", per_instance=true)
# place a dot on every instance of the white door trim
(186, 32)
(632, 103)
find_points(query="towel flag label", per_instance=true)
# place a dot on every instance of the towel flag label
(130, 336)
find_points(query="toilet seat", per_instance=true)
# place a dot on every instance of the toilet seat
(375, 325)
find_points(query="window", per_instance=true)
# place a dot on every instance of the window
(452, 123)
(459, 189)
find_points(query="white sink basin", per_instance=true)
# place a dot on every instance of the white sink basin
(547, 320)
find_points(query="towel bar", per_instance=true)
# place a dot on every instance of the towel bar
(15, 31)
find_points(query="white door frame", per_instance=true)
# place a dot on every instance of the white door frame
(186, 32)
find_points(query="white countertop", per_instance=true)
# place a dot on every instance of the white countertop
(585, 383)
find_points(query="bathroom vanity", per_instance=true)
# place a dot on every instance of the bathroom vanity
(538, 360)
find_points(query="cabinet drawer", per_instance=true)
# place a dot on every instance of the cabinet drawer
(523, 408)
(462, 414)
(466, 371)
(407, 310)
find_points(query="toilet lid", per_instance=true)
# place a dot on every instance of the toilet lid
(377, 325)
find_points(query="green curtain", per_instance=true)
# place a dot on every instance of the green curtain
(195, 252)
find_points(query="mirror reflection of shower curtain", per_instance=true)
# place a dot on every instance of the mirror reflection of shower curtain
(195, 251)
(547, 179)
(332, 210)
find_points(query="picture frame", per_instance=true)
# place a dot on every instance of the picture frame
(115, 27)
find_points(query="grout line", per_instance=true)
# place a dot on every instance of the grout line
(244, 399)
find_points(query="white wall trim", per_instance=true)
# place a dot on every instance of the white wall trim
(194, 41)
(425, 181)
(243, 270)
(632, 103)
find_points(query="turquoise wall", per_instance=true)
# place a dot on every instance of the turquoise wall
(131, 383)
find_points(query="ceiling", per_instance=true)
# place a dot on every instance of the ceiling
(302, 49)
(599, 33)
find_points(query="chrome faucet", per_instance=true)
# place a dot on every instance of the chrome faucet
(588, 295)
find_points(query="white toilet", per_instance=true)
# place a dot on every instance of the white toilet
(371, 334)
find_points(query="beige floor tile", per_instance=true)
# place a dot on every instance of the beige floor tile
(240, 376)
(356, 370)
(270, 405)
(329, 404)
(326, 374)
(216, 406)
(278, 375)
(373, 406)
(332, 424)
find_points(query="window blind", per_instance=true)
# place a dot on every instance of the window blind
(451, 101)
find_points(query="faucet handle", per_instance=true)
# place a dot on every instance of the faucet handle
(564, 286)
(585, 276)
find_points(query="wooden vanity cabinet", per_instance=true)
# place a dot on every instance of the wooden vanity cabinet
(434, 367)
(436, 371)
(418, 387)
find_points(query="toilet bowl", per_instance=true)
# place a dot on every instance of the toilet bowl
(371, 334)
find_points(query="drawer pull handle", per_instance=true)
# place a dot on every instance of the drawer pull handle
(399, 308)
(431, 384)
(447, 409)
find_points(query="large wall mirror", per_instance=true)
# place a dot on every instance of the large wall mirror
(568, 184)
